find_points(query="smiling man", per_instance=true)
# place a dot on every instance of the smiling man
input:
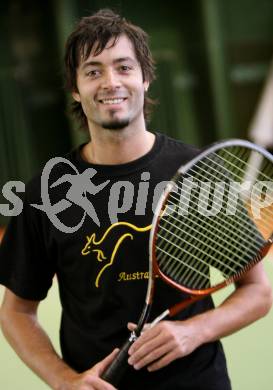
(109, 68)
(110, 87)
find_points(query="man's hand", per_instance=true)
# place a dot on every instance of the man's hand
(160, 345)
(169, 340)
(20, 324)
(90, 379)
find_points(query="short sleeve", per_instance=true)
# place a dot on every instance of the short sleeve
(25, 267)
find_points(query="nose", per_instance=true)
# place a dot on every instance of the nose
(110, 80)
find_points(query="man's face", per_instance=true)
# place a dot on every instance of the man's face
(111, 87)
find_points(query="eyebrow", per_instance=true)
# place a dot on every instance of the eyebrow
(116, 61)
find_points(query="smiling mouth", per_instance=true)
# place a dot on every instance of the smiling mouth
(112, 100)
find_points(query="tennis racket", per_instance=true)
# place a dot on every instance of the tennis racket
(213, 223)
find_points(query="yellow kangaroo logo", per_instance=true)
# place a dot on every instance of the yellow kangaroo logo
(91, 241)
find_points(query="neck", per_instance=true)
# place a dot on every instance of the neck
(113, 147)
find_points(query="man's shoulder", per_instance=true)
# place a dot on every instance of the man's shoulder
(176, 149)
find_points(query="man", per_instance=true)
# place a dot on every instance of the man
(102, 266)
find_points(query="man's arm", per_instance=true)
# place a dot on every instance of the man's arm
(21, 328)
(169, 340)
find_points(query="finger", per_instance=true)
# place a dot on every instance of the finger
(146, 327)
(145, 337)
(131, 326)
(151, 351)
(100, 367)
(98, 383)
(145, 349)
(163, 361)
(153, 356)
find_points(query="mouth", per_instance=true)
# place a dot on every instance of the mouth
(112, 101)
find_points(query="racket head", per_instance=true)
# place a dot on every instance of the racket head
(198, 252)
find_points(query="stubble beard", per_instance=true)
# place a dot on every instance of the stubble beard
(115, 123)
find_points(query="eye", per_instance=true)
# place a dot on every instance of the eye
(94, 73)
(125, 68)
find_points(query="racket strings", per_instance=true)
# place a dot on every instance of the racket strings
(239, 165)
(242, 159)
(195, 262)
(255, 175)
(208, 166)
(245, 171)
(210, 237)
(192, 244)
(202, 210)
(175, 269)
(211, 229)
(172, 271)
(194, 249)
(219, 224)
(198, 254)
(267, 218)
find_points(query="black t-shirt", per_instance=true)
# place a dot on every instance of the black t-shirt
(102, 266)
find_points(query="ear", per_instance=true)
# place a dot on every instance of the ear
(146, 85)
(76, 96)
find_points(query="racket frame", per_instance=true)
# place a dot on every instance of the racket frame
(155, 271)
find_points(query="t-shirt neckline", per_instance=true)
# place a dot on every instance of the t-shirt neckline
(120, 169)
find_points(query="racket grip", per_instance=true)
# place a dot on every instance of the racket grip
(117, 368)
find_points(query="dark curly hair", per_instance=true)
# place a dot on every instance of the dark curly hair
(94, 32)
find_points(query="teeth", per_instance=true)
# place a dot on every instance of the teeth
(112, 101)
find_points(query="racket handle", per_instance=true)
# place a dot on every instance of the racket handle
(117, 368)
